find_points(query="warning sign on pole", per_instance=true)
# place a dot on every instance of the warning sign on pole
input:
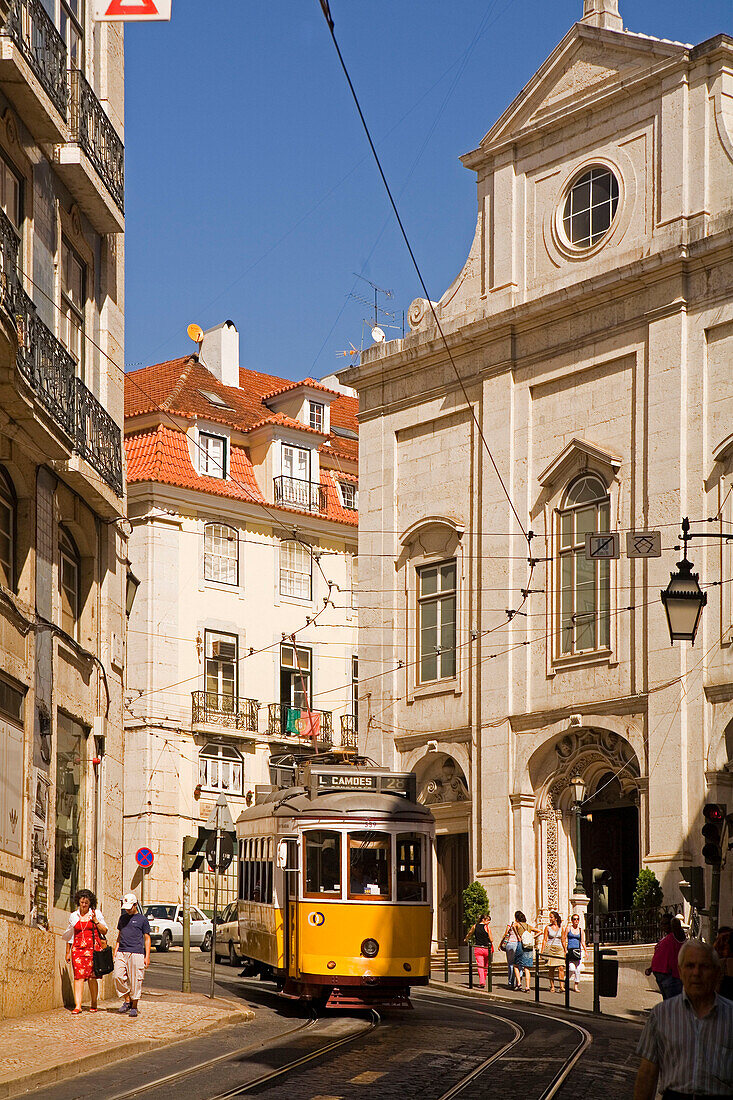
(131, 11)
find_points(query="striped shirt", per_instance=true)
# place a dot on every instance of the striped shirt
(694, 1055)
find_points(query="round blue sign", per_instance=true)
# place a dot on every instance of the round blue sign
(144, 857)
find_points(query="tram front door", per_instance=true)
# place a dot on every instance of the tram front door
(452, 858)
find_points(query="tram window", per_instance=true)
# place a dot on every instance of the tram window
(369, 870)
(322, 862)
(410, 883)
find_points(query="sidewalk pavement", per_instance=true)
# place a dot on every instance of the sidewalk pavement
(52, 1046)
(630, 1004)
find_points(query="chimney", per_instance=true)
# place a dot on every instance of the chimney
(220, 352)
(602, 13)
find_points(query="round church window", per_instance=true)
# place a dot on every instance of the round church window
(590, 207)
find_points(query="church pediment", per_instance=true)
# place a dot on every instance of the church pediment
(589, 60)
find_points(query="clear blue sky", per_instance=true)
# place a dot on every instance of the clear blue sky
(251, 194)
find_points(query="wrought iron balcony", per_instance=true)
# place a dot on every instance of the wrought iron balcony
(294, 492)
(211, 709)
(281, 722)
(46, 366)
(97, 136)
(32, 30)
(348, 731)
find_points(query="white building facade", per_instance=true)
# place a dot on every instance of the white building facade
(62, 545)
(592, 327)
(243, 502)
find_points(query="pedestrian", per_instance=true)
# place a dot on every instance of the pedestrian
(508, 944)
(84, 935)
(664, 961)
(574, 941)
(724, 947)
(131, 954)
(686, 1047)
(483, 946)
(524, 952)
(553, 951)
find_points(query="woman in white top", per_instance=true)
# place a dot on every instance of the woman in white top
(83, 937)
(553, 951)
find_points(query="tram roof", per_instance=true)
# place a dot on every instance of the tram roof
(297, 802)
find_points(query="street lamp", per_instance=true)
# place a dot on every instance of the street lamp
(683, 598)
(577, 790)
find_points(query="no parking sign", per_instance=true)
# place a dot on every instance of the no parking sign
(144, 858)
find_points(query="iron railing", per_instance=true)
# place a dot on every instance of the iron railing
(297, 493)
(348, 731)
(32, 29)
(46, 366)
(631, 925)
(97, 136)
(277, 723)
(212, 709)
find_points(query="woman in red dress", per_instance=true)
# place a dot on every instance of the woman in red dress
(85, 929)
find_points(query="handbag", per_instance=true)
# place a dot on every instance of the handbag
(102, 959)
(574, 954)
(504, 942)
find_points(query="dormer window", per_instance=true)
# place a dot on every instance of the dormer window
(348, 495)
(212, 455)
(316, 415)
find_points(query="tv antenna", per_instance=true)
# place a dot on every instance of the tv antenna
(376, 322)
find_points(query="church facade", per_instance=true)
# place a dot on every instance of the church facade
(583, 354)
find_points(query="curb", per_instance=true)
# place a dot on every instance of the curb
(86, 1063)
(482, 995)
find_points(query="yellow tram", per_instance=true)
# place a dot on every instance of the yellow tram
(334, 883)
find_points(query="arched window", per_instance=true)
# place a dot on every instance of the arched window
(69, 583)
(220, 768)
(584, 587)
(7, 531)
(221, 554)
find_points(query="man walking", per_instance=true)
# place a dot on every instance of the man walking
(131, 954)
(686, 1047)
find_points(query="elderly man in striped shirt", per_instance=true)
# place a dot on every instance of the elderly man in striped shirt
(686, 1047)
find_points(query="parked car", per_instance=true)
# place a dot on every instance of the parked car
(227, 935)
(166, 926)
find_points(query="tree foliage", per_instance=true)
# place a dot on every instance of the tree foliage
(475, 903)
(648, 892)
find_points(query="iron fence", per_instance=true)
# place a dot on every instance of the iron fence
(297, 493)
(97, 136)
(211, 709)
(348, 731)
(630, 926)
(33, 31)
(281, 723)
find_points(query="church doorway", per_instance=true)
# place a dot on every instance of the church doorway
(609, 839)
(453, 874)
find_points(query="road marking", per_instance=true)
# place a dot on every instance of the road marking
(367, 1078)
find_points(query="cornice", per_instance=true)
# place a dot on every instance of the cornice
(536, 719)
(417, 740)
(718, 693)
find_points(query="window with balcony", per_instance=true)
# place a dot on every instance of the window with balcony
(221, 768)
(316, 410)
(221, 656)
(73, 302)
(71, 26)
(11, 195)
(295, 677)
(69, 570)
(436, 605)
(7, 531)
(295, 570)
(212, 455)
(583, 586)
(221, 554)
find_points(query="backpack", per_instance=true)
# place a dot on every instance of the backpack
(527, 939)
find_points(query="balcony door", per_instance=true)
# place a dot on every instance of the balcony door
(295, 677)
(296, 462)
(221, 672)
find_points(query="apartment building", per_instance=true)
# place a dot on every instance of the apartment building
(243, 496)
(63, 557)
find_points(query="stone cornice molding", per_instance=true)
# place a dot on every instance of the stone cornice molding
(522, 801)
(718, 693)
(443, 740)
(577, 448)
(531, 721)
(431, 521)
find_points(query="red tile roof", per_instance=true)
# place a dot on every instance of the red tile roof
(162, 455)
(309, 382)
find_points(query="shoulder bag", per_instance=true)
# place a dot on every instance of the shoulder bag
(102, 959)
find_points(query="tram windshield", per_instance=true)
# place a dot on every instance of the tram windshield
(369, 865)
(411, 885)
(322, 862)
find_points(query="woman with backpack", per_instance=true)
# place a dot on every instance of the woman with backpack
(524, 954)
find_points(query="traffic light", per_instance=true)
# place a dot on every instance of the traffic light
(714, 814)
(193, 854)
(692, 886)
(601, 879)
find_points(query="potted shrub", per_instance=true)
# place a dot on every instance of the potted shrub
(645, 906)
(475, 904)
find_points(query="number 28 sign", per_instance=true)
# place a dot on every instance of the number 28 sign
(131, 11)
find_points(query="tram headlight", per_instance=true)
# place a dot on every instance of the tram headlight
(369, 948)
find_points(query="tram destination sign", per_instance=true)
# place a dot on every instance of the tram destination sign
(348, 779)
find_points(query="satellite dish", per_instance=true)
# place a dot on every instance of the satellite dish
(195, 333)
(378, 335)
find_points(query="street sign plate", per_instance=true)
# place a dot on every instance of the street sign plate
(225, 822)
(226, 851)
(131, 11)
(644, 544)
(144, 857)
(601, 547)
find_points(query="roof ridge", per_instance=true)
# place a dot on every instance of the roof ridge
(176, 391)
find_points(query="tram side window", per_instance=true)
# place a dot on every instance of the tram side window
(411, 885)
(257, 870)
(369, 866)
(322, 862)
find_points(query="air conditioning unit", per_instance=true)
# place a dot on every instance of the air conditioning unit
(224, 651)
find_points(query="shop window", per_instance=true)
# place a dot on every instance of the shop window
(70, 811)
(11, 768)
